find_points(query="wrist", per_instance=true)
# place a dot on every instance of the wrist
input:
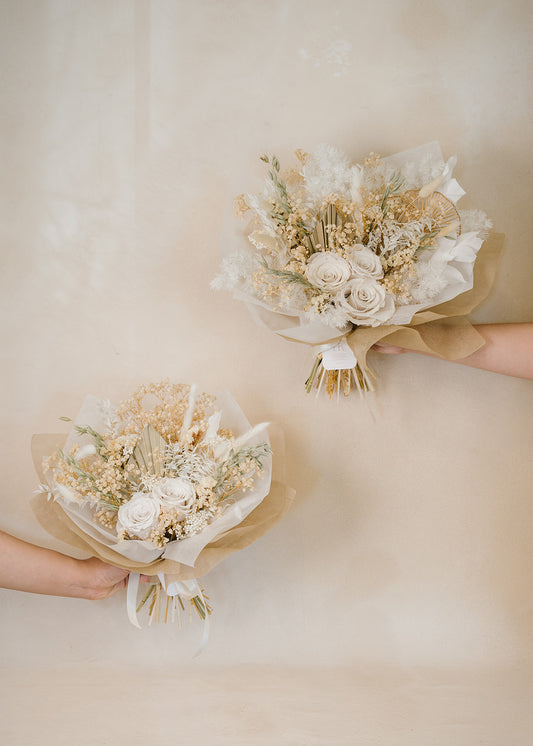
(82, 581)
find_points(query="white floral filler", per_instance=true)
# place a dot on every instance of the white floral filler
(161, 475)
(333, 246)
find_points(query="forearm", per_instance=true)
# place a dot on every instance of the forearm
(26, 567)
(508, 349)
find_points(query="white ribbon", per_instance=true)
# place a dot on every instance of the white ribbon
(338, 356)
(131, 598)
(188, 589)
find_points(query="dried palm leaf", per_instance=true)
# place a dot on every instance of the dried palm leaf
(149, 454)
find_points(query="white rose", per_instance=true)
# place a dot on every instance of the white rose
(328, 271)
(176, 493)
(365, 302)
(139, 515)
(364, 262)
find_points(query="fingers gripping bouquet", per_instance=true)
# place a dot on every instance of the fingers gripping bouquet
(339, 255)
(166, 484)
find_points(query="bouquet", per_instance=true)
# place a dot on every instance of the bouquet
(167, 483)
(338, 255)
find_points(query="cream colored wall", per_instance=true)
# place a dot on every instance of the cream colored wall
(394, 605)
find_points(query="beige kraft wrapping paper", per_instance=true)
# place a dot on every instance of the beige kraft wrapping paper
(272, 508)
(442, 330)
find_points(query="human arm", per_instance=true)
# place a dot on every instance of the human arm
(26, 567)
(508, 349)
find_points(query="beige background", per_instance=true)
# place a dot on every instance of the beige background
(394, 605)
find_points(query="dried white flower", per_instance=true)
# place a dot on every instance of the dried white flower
(138, 516)
(326, 172)
(262, 210)
(176, 493)
(365, 302)
(236, 270)
(364, 263)
(430, 281)
(68, 495)
(329, 315)
(328, 271)
(475, 220)
(109, 416)
(44, 489)
(86, 450)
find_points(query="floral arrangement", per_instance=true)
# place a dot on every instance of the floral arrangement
(335, 247)
(159, 477)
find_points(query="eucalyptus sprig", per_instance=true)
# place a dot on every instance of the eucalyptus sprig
(392, 188)
(426, 242)
(282, 214)
(285, 275)
(99, 442)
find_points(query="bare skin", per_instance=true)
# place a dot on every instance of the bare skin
(508, 350)
(26, 567)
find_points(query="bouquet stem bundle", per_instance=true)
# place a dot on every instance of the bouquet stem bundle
(339, 380)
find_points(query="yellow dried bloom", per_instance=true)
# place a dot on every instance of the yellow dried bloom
(240, 205)
(302, 156)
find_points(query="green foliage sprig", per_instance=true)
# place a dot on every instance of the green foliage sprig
(281, 215)
(392, 188)
(286, 275)
(236, 460)
(98, 440)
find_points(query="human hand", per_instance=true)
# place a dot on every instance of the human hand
(99, 580)
(34, 569)
(96, 579)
